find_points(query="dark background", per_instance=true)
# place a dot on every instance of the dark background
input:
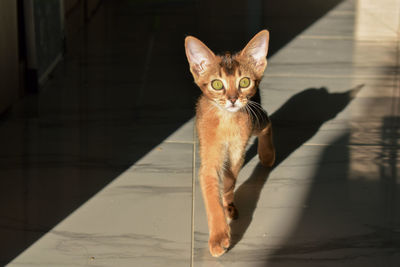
(124, 83)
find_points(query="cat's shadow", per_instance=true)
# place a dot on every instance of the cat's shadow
(293, 124)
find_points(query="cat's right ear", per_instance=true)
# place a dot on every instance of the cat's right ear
(256, 51)
(200, 57)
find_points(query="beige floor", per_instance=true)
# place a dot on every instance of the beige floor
(333, 199)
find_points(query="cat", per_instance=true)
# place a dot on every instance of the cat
(226, 117)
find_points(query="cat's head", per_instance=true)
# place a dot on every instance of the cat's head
(229, 80)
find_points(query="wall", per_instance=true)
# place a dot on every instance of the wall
(8, 54)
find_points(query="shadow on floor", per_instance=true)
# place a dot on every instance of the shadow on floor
(349, 222)
(293, 124)
(123, 87)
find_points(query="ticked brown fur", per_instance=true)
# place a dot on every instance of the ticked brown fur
(226, 118)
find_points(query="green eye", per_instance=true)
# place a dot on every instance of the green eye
(244, 82)
(217, 84)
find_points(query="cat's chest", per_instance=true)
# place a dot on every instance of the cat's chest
(233, 127)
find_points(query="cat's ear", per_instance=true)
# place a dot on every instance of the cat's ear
(256, 51)
(200, 57)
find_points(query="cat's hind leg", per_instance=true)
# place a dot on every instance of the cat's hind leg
(266, 149)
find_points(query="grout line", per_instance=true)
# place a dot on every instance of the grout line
(326, 37)
(352, 145)
(378, 18)
(193, 192)
(345, 37)
(294, 75)
(179, 142)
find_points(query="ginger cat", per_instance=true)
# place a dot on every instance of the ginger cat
(226, 118)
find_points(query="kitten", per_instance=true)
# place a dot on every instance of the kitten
(226, 118)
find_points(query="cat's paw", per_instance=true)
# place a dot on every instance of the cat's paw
(231, 211)
(218, 244)
(267, 158)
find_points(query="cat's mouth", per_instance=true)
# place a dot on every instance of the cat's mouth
(233, 107)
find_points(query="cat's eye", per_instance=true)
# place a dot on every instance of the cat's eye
(244, 82)
(217, 84)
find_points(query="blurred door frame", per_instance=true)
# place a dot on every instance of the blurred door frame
(9, 85)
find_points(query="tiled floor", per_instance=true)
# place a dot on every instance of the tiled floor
(100, 165)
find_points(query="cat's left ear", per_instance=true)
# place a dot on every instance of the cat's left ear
(256, 51)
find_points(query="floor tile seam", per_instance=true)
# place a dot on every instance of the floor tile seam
(379, 19)
(179, 142)
(194, 144)
(339, 12)
(352, 145)
(307, 144)
(346, 37)
(295, 75)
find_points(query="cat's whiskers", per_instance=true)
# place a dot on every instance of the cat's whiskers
(250, 113)
(263, 115)
(260, 112)
(258, 105)
(253, 114)
(247, 111)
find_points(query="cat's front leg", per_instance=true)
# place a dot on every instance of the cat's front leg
(231, 171)
(219, 230)
(227, 200)
(212, 161)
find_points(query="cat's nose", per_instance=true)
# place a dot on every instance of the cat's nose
(233, 100)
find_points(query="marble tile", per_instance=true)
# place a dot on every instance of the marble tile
(337, 58)
(362, 20)
(110, 101)
(378, 21)
(338, 23)
(285, 84)
(326, 104)
(99, 167)
(331, 198)
(314, 208)
(129, 222)
(183, 134)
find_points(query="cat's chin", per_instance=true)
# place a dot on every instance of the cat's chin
(233, 109)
